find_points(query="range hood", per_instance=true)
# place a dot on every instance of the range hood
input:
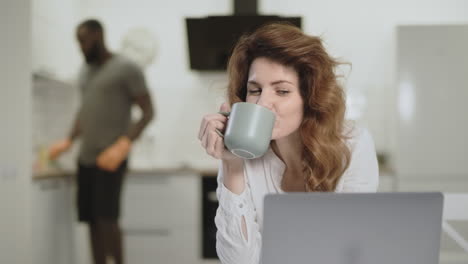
(211, 38)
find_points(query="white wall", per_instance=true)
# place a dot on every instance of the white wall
(361, 32)
(15, 142)
(54, 49)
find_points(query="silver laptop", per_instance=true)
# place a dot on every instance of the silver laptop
(352, 228)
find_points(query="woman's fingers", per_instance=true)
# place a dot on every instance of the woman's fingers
(210, 133)
(207, 120)
(225, 108)
(211, 143)
(219, 147)
(211, 127)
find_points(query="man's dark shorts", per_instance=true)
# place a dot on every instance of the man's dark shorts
(98, 194)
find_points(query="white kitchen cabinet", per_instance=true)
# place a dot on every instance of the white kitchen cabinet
(432, 85)
(169, 246)
(161, 217)
(52, 221)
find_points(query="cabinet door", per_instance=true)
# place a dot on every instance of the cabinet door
(161, 218)
(432, 119)
(161, 246)
(161, 201)
(52, 221)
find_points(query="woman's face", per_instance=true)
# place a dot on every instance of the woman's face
(276, 87)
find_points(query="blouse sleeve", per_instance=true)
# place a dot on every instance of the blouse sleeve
(231, 244)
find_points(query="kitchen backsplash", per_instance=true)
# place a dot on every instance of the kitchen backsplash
(53, 110)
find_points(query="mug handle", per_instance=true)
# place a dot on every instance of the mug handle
(226, 114)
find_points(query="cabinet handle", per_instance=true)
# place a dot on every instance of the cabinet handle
(162, 232)
(49, 185)
(149, 179)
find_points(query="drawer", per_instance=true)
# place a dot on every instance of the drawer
(161, 202)
(161, 246)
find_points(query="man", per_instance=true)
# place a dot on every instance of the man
(109, 85)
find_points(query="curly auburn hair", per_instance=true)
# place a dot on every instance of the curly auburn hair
(325, 155)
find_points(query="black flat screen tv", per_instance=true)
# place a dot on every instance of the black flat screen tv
(211, 39)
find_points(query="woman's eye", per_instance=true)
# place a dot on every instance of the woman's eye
(254, 91)
(283, 92)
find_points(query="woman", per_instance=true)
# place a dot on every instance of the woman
(313, 149)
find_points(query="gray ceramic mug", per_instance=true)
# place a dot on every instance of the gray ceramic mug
(249, 129)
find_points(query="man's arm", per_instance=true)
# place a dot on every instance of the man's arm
(111, 157)
(146, 106)
(56, 149)
(76, 129)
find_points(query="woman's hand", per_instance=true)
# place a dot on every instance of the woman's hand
(213, 142)
(210, 135)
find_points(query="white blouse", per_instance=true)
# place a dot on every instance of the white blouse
(263, 176)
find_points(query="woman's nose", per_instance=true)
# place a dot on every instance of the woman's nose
(265, 100)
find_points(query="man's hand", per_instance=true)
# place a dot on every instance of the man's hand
(111, 158)
(59, 147)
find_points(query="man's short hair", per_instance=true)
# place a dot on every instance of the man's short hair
(92, 24)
